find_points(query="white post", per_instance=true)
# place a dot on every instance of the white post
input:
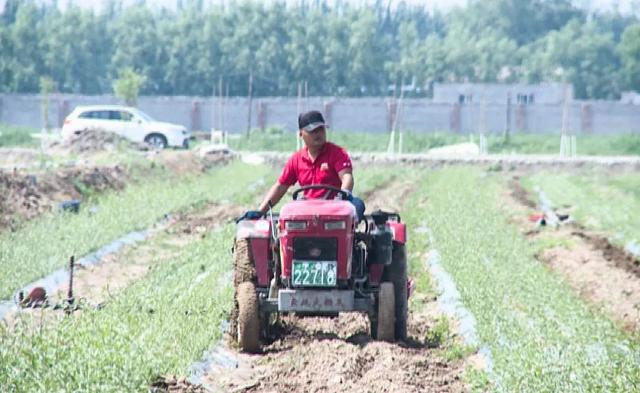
(299, 109)
(565, 143)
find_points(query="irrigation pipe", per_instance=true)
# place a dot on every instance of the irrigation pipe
(633, 247)
(450, 303)
(219, 356)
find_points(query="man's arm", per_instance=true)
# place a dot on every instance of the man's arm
(274, 195)
(346, 177)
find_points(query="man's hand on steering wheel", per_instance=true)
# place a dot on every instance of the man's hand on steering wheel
(349, 195)
(249, 215)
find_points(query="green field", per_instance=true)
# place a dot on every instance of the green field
(274, 139)
(519, 143)
(542, 336)
(12, 136)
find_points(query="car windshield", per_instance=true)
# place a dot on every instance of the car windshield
(142, 115)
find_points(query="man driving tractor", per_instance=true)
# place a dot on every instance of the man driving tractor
(318, 162)
(311, 258)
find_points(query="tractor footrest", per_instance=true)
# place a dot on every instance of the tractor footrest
(316, 300)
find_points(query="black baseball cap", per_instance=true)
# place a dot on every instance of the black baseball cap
(311, 120)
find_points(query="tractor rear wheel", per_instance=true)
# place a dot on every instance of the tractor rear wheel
(397, 274)
(384, 327)
(248, 318)
(243, 271)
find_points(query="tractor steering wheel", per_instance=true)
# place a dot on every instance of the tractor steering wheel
(338, 191)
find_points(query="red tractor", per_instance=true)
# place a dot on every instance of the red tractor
(313, 259)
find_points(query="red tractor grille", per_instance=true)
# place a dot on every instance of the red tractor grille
(315, 248)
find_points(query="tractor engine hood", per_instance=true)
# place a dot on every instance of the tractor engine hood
(313, 208)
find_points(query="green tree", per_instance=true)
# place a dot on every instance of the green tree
(26, 53)
(406, 67)
(579, 54)
(522, 21)
(306, 51)
(137, 45)
(629, 50)
(76, 49)
(366, 67)
(128, 85)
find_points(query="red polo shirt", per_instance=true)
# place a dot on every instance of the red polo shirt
(324, 170)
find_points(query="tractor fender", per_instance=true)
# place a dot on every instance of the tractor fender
(399, 231)
(248, 229)
(258, 234)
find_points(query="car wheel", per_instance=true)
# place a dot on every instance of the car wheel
(156, 141)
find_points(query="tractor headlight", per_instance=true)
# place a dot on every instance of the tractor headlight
(333, 225)
(295, 225)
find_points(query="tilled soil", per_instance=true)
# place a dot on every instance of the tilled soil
(25, 196)
(601, 273)
(321, 355)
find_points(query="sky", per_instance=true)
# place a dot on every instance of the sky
(624, 6)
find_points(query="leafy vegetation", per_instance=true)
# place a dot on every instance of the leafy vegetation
(16, 136)
(324, 49)
(47, 243)
(127, 86)
(542, 336)
(155, 327)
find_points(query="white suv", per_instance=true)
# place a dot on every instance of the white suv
(127, 121)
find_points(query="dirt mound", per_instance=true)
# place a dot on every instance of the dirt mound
(25, 196)
(95, 139)
(338, 355)
(173, 384)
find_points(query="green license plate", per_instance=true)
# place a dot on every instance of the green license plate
(315, 273)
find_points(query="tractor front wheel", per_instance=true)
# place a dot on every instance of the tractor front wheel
(384, 327)
(248, 318)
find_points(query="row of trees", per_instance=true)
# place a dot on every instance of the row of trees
(332, 50)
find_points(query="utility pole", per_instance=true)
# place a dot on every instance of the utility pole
(250, 102)
(507, 126)
(306, 96)
(220, 98)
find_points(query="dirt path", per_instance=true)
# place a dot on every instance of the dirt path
(599, 272)
(337, 354)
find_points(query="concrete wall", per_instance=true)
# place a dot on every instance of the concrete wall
(348, 114)
(543, 93)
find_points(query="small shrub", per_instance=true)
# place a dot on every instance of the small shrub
(439, 334)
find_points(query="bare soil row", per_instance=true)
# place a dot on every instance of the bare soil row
(602, 273)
